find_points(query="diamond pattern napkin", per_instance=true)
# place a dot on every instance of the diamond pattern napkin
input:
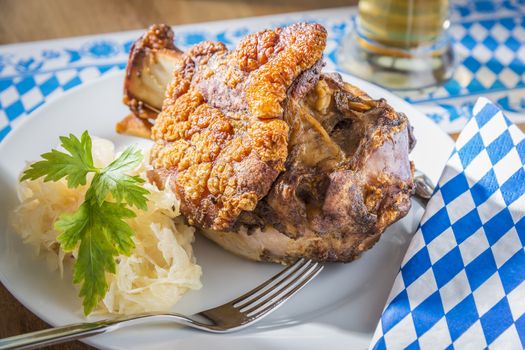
(462, 281)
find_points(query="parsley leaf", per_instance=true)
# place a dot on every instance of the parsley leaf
(98, 227)
(103, 234)
(113, 179)
(57, 165)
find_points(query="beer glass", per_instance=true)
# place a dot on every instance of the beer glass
(399, 44)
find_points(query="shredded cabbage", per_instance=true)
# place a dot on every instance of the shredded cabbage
(158, 272)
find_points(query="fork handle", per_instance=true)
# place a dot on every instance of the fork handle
(55, 335)
(71, 332)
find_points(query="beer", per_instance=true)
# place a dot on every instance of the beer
(400, 44)
(402, 23)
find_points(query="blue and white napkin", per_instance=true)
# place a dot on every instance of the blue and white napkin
(462, 281)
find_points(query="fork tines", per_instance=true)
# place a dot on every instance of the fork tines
(277, 289)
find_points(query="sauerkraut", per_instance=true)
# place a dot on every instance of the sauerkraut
(162, 266)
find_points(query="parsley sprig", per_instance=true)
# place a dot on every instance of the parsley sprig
(98, 227)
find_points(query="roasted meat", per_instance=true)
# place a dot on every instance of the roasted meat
(271, 158)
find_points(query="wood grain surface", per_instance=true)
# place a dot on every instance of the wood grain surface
(29, 20)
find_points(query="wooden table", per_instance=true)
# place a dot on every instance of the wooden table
(29, 20)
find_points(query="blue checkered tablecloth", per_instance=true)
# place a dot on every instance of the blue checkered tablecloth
(488, 36)
(462, 281)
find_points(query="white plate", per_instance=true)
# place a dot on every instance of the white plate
(339, 309)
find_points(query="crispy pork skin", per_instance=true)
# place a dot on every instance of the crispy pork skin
(271, 158)
(221, 133)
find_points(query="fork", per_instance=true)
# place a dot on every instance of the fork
(424, 188)
(234, 315)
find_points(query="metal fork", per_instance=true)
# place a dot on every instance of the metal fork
(234, 315)
(424, 188)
